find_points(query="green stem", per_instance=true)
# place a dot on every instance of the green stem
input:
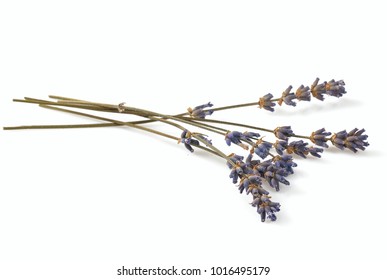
(235, 106)
(215, 150)
(111, 121)
(234, 124)
(59, 126)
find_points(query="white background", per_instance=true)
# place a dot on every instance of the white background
(79, 204)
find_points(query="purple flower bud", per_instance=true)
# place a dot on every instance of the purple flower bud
(298, 147)
(234, 176)
(266, 103)
(356, 140)
(198, 111)
(262, 149)
(271, 216)
(262, 167)
(287, 97)
(236, 171)
(339, 138)
(318, 90)
(303, 93)
(319, 137)
(275, 175)
(280, 146)
(314, 151)
(234, 137)
(283, 132)
(251, 135)
(265, 207)
(255, 191)
(249, 183)
(186, 139)
(335, 88)
(285, 162)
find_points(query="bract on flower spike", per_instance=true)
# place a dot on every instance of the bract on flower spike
(267, 164)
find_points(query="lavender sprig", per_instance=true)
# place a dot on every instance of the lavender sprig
(268, 164)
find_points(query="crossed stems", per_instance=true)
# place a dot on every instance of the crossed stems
(150, 117)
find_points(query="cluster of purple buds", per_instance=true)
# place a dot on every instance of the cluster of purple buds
(275, 170)
(283, 132)
(275, 175)
(302, 149)
(332, 88)
(280, 146)
(354, 140)
(286, 162)
(265, 207)
(266, 102)
(238, 167)
(187, 140)
(199, 112)
(237, 137)
(251, 175)
(335, 88)
(319, 137)
(251, 184)
(262, 148)
(287, 97)
(303, 93)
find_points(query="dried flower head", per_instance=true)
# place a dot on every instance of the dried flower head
(187, 140)
(283, 132)
(287, 97)
(303, 93)
(266, 102)
(199, 112)
(319, 137)
(354, 140)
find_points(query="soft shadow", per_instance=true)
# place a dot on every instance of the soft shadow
(366, 153)
(319, 106)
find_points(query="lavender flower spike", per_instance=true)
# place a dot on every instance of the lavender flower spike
(266, 103)
(198, 111)
(319, 137)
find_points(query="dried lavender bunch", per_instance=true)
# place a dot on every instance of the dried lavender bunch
(267, 165)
